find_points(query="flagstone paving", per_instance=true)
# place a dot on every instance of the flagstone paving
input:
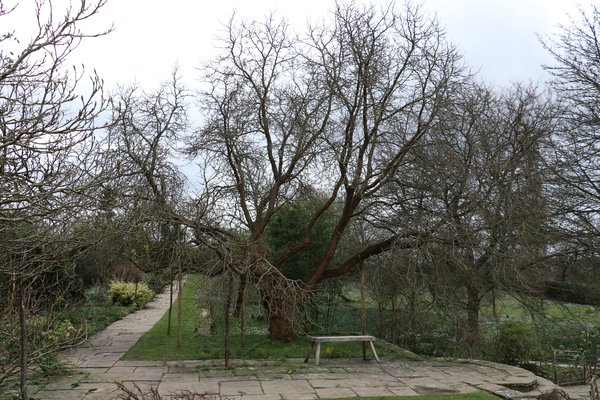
(99, 367)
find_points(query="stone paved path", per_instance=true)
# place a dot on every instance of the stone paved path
(99, 367)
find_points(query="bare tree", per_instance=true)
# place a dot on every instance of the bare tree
(142, 143)
(576, 82)
(480, 180)
(338, 109)
(46, 156)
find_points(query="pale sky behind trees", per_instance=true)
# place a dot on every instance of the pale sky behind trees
(497, 37)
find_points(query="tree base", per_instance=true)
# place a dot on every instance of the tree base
(280, 329)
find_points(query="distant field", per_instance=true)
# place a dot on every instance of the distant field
(508, 307)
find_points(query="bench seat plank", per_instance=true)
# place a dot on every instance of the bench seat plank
(327, 339)
(357, 338)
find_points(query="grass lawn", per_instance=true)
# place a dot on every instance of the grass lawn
(156, 345)
(511, 308)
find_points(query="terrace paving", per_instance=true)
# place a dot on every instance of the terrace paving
(99, 366)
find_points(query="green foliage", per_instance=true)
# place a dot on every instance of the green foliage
(571, 292)
(50, 332)
(89, 262)
(96, 295)
(51, 365)
(97, 317)
(59, 332)
(154, 282)
(287, 228)
(45, 336)
(126, 294)
(517, 343)
(138, 246)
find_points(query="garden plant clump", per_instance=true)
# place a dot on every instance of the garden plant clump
(127, 294)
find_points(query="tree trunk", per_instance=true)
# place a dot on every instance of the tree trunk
(363, 307)
(380, 307)
(179, 308)
(170, 307)
(494, 310)
(473, 307)
(241, 310)
(226, 308)
(412, 310)
(23, 340)
(239, 303)
(394, 321)
(280, 327)
(327, 322)
(279, 301)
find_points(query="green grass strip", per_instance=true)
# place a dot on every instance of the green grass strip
(156, 345)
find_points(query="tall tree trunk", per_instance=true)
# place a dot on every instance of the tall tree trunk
(239, 303)
(226, 308)
(380, 307)
(494, 309)
(170, 306)
(180, 293)
(278, 300)
(23, 341)
(179, 307)
(280, 327)
(412, 310)
(363, 307)
(394, 321)
(241, 309)
(473, 307)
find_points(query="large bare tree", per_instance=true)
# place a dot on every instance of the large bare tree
(480, 180)
(575, 78)
(338, 108)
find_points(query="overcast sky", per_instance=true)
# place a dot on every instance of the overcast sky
(497, 37)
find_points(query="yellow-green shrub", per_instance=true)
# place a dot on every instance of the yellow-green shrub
(126, 294)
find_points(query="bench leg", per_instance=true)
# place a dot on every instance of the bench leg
(318, 355)
(374, 352)
(310, 347)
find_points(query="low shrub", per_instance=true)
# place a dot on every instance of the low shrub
(52, 365)
(517, 343)
(46, 335)
(126, 294)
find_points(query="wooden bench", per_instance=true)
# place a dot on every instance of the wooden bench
(323, 339)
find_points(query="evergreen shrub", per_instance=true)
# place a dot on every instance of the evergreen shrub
(517, 343)
(126, 294)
